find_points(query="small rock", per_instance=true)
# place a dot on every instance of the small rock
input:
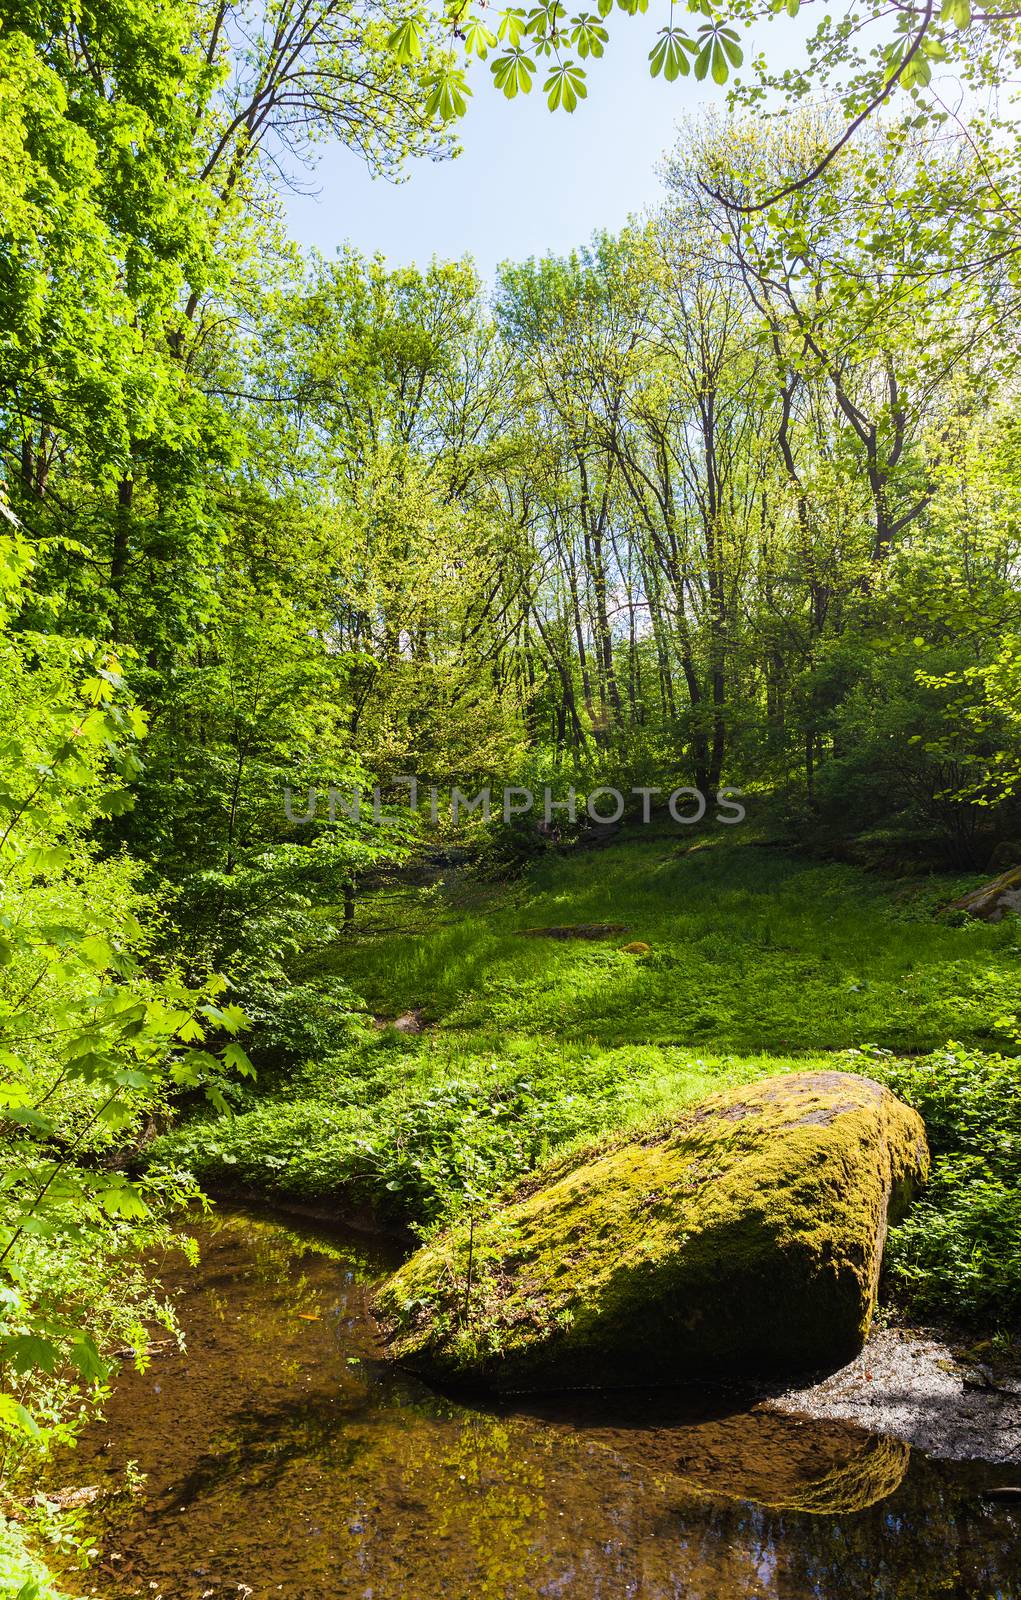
(1007, 854)
(410, 1022)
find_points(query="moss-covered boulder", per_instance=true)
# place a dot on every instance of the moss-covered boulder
(744, 1236)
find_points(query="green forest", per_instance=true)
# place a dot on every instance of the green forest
(444, 722)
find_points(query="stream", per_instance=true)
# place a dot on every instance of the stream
(277, 1455)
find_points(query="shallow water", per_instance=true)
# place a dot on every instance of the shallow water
(280, 1457)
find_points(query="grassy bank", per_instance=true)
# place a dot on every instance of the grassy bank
(752, 950)
(757, 961)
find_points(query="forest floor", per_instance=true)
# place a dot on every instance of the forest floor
(752, 950)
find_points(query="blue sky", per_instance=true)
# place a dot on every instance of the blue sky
(528, 181)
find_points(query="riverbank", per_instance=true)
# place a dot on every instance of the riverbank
(927, 1389)
(736, 961)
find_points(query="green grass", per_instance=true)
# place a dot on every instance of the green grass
(752, 950)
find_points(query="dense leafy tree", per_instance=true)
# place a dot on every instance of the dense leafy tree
(91, 1042)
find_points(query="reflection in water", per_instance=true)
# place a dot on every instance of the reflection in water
(282, 1458)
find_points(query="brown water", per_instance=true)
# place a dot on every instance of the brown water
(280, 1457)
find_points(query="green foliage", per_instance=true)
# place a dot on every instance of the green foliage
(91, 1044)
(299, 1023)
(865, 57)
(22, 1576)
(420, 1131)
(958, 1253)
(97, 241)
(542, 31)
(728, 496)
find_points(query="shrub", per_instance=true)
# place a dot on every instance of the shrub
(958, 1251)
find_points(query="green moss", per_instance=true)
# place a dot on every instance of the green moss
(744, 1235)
